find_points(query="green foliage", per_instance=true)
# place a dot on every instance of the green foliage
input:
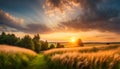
(9, 39)
(36, 41)
(14, 61)
(27, 42)
(52, 46)
(44, 45)
(38, 63)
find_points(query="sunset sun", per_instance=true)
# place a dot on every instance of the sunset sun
(73, 40)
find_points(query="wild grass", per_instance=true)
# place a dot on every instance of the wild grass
(13, 49)
(14, 57)
(94, 57)
(38, 63)
(105, 58)
(81, 49)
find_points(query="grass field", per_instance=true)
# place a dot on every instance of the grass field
(88, 57)
(12, 57)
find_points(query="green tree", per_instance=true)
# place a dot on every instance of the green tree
(80, 43)
(3, 34)
(27, 42)
(9, 39)
(36, 41)
(52, 46)
(59, 45)
(44, 45)
(2, 38)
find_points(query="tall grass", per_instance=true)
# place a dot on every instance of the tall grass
(15, 58)
(14, 61)
(14, 49)
(80, 49)
(95, 57)
(102, 59)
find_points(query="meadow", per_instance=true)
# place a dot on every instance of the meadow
(88, 57)
(12, 57)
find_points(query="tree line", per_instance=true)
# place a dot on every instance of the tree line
(27, 42)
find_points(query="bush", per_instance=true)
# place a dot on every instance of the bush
(51, 46)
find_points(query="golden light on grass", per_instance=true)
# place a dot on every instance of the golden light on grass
(93, 57)
(14, 49)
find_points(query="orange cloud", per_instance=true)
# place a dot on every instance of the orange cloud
(59, 6)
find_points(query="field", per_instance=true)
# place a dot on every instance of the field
(14, 57)
(88, 57)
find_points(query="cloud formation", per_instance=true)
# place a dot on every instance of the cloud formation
(37, 28)
(93, 15)
(18, 24)
(62, 5)
(8, 20)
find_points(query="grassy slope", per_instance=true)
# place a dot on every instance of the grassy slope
(38, 63)
(15, 50)
(16, 57)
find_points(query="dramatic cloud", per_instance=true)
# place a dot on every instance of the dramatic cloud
(102, 15)
(59, 5)
(8, 20)
(62, 5)
(101, 23)
(11, 22)
(37, 28)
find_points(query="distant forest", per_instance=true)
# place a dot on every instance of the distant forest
(27, 42)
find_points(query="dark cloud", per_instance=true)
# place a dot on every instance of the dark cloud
(108, 22)
(20, 6)
(10, 23)
(102, 15)
(37, 28)
(65, 4)
(8, 20)
(0, 28)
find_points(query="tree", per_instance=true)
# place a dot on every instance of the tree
(3, 34)
(27, 42)
(2, 38)
(79, 42)
(44, 45)
(52, 46)
(59, 46)
(36, 41)
(9, 39)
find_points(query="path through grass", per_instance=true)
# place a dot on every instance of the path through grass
(38, 63)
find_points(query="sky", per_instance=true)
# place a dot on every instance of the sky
(61, 20)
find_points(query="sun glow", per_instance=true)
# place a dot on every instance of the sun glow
(73, 39)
